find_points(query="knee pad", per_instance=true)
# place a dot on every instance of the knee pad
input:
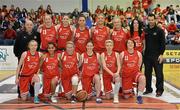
(74, 80)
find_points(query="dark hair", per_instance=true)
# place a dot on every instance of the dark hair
(139, 28)
(82, 16)
(27, 46)
(132, 41)
(52, 43)
(152, 15)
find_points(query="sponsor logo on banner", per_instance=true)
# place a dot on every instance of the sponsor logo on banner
(8, 61)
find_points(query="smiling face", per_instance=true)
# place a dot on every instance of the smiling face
(70, 47)
(109, 45)
(101, 19)
(65, 20)
(51, 48)
(130, 44)
(151, 21)
(89, 46)
(136, 25)
(32, 45)
(117, 23)
(48, 20)
(81, 21)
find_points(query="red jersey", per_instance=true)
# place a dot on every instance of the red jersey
(31, 64)
(145, 3)
(138, 40)
(99, 36)
(136, 4)
(80, 39)
(119, 37)
(64, 35)
(51, 66)
(90, 65)
(98, 11)
(47, 35)
(111, 63)
(69, 64)
(130, 64)
(129, 14)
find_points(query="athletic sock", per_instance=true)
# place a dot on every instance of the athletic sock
(36, 88)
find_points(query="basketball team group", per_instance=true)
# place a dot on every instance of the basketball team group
(97, 57)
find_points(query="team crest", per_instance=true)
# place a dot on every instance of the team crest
(126, 58)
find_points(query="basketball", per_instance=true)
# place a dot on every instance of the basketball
(81, 95)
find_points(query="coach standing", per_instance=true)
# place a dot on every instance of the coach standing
(153, 58)
(22, 39)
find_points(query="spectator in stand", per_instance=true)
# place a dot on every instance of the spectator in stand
(5, 23)
(177, 12)
(136, 4)
(172, 28)
(157, 10)
(105, 10)
(49, 10)
(4, 10)
(129, 15)
(10, 33)
(98, 10)
(146, 5)
(118, 11)
(75, 13)
(171, 14)
(176, 38)
(163, 27)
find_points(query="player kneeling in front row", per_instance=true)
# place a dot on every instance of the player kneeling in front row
(51, 73)
(111, 69)
(27, 71)
(130, 71)
(70, 71)
(90, 72)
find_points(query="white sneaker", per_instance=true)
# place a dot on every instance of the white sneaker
(53, 99)
(116, 99)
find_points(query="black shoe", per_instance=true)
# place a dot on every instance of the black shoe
(147, 92)
(73, 99)
(158, 94)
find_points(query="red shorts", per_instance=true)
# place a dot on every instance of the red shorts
(107, 80)
(24, 83)
(67, 85)
(87, 84)
(47, 85)
(127, 82)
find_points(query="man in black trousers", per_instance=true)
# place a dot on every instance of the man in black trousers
(153, 55)
(23, 38)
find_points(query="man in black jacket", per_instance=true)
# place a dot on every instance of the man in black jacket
(23, 38)
(153, 56)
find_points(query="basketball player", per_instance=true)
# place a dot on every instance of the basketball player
(51, 73)
(65, 33)
(100, 34)
(137, 34)
(119, 36)
(130, 71)
(81, 35)
(90, 72)
(27, 71)
(70, 71)
(48, 33)
(111, 69)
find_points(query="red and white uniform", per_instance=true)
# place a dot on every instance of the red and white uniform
(69, 68)
(47, 35)
(80, 39)
(139, 41)
(50, 71)
(111, 63)
(99, 36)
(119, 37)
(64, 35)
(90, 67)
(130, 69)
(146, 3)
(29, 68)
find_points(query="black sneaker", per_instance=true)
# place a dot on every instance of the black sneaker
(73, 99)
(147, 92)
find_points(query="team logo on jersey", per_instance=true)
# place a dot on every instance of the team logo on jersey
(86, 60)
(32, 65)
(44, 31)
(126, 58)
(96, 31)
(154, 33)
(3, 54)
(114, 33)
(35, 37)
(77, 35)
(28, 58)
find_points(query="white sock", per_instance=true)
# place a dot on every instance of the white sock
(140, 93)
(116, 88)
(36, 88)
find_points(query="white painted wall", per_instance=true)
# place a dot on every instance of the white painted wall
(56, 5)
